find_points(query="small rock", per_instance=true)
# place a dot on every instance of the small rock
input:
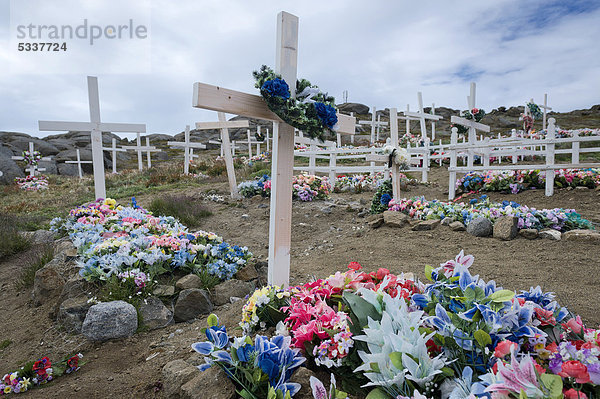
(530, 234)
(175, 374)
(302, 377)
(375, 221)
(581, 188)
(154, 313)
(247, 273)
(191, 303)
(262, 206)
(164, 290)
(327, 209)
(446, 222)
(363, 214)
(189, 281)
(245, 216)
(457, 226)
(222, 292)
(506, 228)
(209, 384)
(395, 219)
(480, 227)
(582, 235)
(108, 320)
(71, 314)
(550, 234)
(426, 225)
(47, 284)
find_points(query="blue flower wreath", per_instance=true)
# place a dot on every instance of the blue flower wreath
(312, 111)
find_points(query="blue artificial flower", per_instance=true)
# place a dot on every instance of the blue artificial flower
(473, 201)
(326, 114)
(276, 87)
(420, 300)
(385, 199)
(218, 336)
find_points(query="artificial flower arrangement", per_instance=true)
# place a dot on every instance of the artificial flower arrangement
(457, 336)
(528, 218)
(311, 111)
(304, 187)
(358, 182)
(136, 246)
(31, 158)
(515, 181)
(32, 183)
(475, 114)
(397, 155)
(36, 373)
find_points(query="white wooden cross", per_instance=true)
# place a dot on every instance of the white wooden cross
(95, 127)
(187, 146)
(31, 168)
(225, 100)
(113, 150)
(79, 162)
(422, 117)
(545, 108)
(254, 141)
(471, 124)
(375, 123)
(140, 149)
(224, 125)
(432, 112)
(407, 118)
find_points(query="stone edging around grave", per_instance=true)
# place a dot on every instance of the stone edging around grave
(504, 229)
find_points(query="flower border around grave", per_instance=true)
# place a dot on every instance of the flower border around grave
(32, 183)
(515, 181)
(311, 111)
(392, 336)
(112, 240)
(304, 187)
(528, 218)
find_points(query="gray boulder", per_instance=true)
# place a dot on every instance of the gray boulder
(62, 144)
(582, 235)
(192, 303)
(550, 234)
(5, 151)
(47, 284)
(222, 293)
(45, 148)
(50, 166)
(480, 227)
(175, 374)
(395, 219)
(209, 384)
(68, 169)
(189, 281)
(530, 234)
(110, 320)
(72, 312)
(457, 226)
(154, 313)
(506, 228)
(426, 225)
(9, 169)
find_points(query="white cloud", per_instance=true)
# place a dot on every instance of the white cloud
(381, 52)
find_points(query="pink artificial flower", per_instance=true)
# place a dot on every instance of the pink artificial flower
(504, 348)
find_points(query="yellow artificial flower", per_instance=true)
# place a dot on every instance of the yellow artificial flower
(7, 389)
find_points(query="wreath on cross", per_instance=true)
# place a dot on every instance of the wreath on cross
(475, 114)
(311, 111)
(32, 158)
(534, 110)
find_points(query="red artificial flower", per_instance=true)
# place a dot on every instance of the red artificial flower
(503, 348)
(73, 362)
(575, 369)
(573, 394)
(475, 111)
(540, 369)
(354, 266)
(381, 273)
(553, 347)
(545, 317)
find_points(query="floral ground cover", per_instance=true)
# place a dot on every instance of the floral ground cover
(113, 239)
(359, 182)
(32, 183)
(304, 187)
(529, 218)
(515, 181)
(390, 336)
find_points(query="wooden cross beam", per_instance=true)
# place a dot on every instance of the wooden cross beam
(187, 145)
(79, 162)
(114, 151)
(95, 127)
(546, 108)
(224, 100)
(375, 123)
(407, 118)
(223, 124)
(422, 116)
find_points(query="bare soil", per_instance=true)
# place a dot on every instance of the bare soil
(322, 243)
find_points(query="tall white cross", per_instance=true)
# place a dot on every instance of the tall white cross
(471, 124)
(113, 150)
(140, 149)
(432, 112)
(545, 108)
(375, 123)
(187, 145)
(225, 100)
(32, 168)
(407, 118)
(224, 125)
(95, 127)
(79, 162)
(421, 116)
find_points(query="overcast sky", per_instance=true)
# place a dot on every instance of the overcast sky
(381, 52)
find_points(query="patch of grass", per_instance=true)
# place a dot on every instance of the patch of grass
(38, 260)
(208, 280)
(217, 169)
(4, 344)
(11, 242)
(183, 208)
